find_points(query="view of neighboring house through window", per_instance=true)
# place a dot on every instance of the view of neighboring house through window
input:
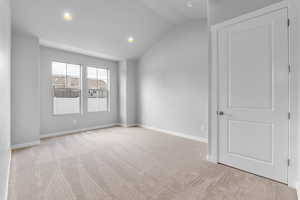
(66, 83)
(98, 89)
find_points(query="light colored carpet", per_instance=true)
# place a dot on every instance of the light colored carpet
(131, 164)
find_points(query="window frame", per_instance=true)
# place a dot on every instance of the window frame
(81, 89)
(108, 88)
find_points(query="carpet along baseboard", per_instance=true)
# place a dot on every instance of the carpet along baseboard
(199, 139)
(76, 131)
(7, 178)
(25, 145)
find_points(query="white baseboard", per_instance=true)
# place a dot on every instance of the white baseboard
(7, 178)
(29, 144)
(76, 131)
(128, 125)
(24, 145)
(211, 159)
(199, 139)
(298, 189)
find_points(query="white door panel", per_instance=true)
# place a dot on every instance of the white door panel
(238, 143)
(243, 69)
(253, 77)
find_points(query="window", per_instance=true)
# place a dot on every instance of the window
(98, 89)
(66, 84)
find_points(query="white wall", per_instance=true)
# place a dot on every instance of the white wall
(122, 81)
(297, 55)
(127, 92)
(5, 113)
(173, 81)
(25, 88)
(131, 102)
(221, 10)
(295, 5)
(53, 124)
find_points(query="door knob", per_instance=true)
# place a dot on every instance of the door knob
(221, 113)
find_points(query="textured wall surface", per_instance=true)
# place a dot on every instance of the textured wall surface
(173, 81)
(25, 89)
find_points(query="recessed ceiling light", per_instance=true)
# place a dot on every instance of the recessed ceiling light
(189, 4)
(67, 16)
(130, 39)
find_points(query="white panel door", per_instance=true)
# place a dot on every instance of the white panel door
(254, 95)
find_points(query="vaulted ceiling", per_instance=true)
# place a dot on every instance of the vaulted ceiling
(178, 11)
(103, 26)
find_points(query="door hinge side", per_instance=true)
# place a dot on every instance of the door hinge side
(289, 162)
(289, 115)
(288, 22)
(290, 68)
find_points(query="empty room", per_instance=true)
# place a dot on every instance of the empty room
(149, 100)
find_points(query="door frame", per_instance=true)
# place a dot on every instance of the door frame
(213, 136)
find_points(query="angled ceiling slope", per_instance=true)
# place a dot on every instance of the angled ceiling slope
(101, 27)
(178, 11)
